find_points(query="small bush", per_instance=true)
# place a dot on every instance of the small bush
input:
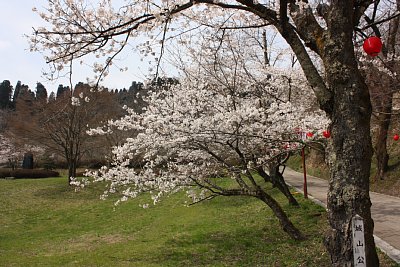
(95, 164)
(27, 173)
(47, 162)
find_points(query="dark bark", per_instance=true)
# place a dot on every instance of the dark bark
(350, 148)
(284, 221)
(350, 161)
(255, 191)
(71, 171)
(276, 178)
(73, 154)
(381, 153)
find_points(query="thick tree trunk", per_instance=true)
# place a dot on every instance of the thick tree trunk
(350, 161)
(284, 221)
(381, 153)
(350, 148)
(71, 171)
(344, 96)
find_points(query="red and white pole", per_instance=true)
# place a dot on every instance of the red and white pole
(303, 156)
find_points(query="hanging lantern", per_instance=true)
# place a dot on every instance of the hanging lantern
(396, 137)
(286, 146)
(310, 134)
(326, 134)
(372, 46)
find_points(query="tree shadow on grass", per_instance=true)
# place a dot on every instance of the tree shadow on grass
(250, 247)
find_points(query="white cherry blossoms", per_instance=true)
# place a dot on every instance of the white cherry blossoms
(197, 133)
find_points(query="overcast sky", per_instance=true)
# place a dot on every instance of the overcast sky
(17, 63)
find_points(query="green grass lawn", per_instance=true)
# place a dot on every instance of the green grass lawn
(43, 222)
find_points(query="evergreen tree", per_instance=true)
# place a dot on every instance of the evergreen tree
(41, 92)
(61, 90)
(5, 94)
(134, 96)
(135, 87)
(16, 91)
(21, 90)
(81, 87)
(52, 97)
(25, 94)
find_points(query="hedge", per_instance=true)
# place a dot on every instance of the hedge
(27, 173)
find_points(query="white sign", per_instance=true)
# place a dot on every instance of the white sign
(357, 224)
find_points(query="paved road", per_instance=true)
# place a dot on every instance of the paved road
(385, 211)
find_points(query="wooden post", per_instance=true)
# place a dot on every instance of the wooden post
(357, 225)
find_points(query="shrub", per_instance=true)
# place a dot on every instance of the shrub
(47, 162)
(27, 173)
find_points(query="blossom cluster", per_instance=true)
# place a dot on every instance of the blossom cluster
(195, 130)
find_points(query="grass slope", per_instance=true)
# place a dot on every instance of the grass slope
(44, 223)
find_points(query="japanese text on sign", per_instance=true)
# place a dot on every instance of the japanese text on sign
(358, 241)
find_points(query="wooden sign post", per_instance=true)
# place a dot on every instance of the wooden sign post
(357, 224)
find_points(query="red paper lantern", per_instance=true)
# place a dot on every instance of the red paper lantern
(396, 137)
(372, 46)
(286, 146)
(310, 134)
(326, 134)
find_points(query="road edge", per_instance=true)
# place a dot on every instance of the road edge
(385, 247)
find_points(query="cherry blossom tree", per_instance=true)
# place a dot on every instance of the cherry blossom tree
(6, 154)
(12, 150)
(200, 134)
(323, 30)
(224, 57)
(210, 135)
(9, 152)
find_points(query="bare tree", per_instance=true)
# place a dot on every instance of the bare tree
(60, 125)
(383, 83)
